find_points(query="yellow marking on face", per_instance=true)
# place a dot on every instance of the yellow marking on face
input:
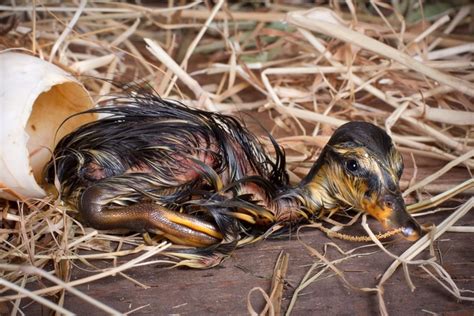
(356, 151)
(396, 163)
(381, 213)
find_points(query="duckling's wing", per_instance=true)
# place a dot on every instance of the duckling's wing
(145, 134)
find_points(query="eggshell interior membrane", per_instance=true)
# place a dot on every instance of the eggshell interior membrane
(44, 127)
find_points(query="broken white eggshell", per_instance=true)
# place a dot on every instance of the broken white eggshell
(35, 98)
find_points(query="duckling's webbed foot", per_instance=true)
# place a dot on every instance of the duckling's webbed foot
(179, 228)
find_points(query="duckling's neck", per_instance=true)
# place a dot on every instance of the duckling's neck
(312, 196)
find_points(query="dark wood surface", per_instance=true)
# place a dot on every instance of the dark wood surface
(224, 290)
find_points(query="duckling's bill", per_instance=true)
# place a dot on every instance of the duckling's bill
(391, 212)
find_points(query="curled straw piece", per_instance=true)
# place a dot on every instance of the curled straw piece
(268, 307)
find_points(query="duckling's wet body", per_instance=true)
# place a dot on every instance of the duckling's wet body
(201, 178)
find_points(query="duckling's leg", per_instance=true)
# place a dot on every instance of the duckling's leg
(179, 228)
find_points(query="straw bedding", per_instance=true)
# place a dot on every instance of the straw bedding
(305, 69)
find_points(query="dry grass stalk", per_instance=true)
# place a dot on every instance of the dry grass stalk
(307, 84)
(148, 252)
(30, 270)
(314, 20)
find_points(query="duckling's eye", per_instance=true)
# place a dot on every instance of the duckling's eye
(352, 165)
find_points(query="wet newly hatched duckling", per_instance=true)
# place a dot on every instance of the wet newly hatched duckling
(202, 179)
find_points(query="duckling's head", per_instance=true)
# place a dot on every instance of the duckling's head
(360, 167)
